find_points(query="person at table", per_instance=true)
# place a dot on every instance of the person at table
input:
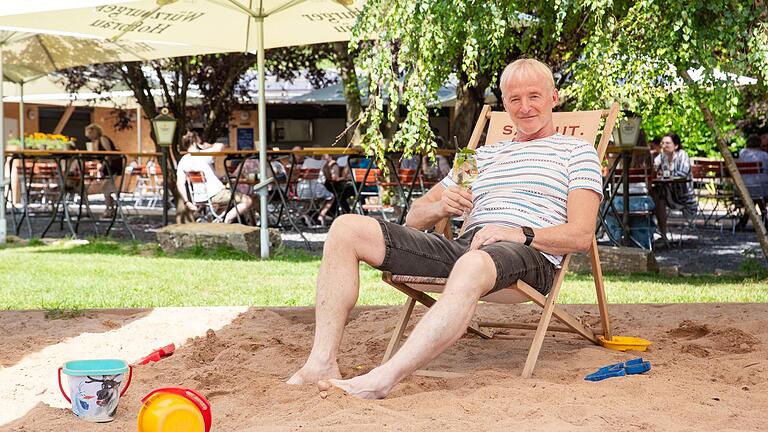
(673, 162)
(111, 165)
(757, 183)
(214, 188)
(314, 188)
(337, 181)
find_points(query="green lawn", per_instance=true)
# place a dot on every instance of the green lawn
(105, 274)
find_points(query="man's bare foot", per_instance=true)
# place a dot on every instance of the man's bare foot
(363, 387)
(309, 374)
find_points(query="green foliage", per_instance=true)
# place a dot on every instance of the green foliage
(635, 52)
(644, 60)
(421, 45)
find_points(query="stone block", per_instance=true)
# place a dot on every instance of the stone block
(244, 238)
(616, 260)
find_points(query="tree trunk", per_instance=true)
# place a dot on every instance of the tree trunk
(346, 64)
(469, 102)
(741, 188)
(138, 83)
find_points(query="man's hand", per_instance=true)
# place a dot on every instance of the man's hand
(190, 206)
(493, 233)
(455, 201)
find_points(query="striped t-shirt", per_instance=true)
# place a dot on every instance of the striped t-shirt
(527, 183)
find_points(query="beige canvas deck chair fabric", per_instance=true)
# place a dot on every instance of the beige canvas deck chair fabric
(582, 124)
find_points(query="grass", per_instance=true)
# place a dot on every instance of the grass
(65, 277)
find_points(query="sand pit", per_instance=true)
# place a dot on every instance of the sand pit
(710, 373)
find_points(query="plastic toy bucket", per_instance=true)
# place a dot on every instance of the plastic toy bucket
(173, 409)
(94, 387)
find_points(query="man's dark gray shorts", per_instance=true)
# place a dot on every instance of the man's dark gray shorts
(415, 253)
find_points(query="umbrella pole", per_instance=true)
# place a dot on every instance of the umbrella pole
(21, 115)
(3, 226)
(138, 132)
(263, 210)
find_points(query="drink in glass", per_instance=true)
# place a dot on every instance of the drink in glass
(465, 169)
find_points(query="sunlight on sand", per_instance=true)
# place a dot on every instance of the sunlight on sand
(33, 379)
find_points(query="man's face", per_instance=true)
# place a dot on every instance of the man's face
(529, 101)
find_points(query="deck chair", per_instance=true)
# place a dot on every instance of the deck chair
(585, 125)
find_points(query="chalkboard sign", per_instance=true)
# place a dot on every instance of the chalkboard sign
(245, 138)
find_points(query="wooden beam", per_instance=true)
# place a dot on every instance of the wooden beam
(558, 312)
(64, 119)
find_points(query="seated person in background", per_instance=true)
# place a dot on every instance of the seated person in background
(411, 162)
(214, 188)
(511, 235)
(673, 161)
(336, 181)
(314, 189)
(756, 183)
(248, 172)
(278, 169)
(114, 165)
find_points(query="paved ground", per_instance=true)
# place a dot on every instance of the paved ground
(704, 250)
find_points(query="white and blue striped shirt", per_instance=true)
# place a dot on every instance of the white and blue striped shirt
(527, 183)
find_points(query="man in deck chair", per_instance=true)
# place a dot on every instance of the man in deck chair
(536, 198)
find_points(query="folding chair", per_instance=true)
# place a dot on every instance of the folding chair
(199, 192)
(307, 197)
(583, 125)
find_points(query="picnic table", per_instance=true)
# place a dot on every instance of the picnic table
(617, 182)
(405, 190)
(63, 161)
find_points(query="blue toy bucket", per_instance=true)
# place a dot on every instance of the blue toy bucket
(94, 387)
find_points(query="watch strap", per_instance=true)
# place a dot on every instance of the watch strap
(529, 235)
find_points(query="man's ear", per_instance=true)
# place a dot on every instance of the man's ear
(555, 97)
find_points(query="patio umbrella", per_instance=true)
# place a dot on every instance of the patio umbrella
(232, 25)
(26, 57)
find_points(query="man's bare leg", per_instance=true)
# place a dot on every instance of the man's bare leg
(473, 275)
(240, 209)
(351, 239)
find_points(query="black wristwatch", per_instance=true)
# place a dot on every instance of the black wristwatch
(529, 235)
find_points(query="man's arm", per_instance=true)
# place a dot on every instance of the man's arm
(181, 186)
(572, 236)
(439, 203)
(214, 148)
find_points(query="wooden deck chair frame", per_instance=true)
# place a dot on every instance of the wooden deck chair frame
(585, 125)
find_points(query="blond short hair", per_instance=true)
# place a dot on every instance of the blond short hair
(94, 127)
(526, 68)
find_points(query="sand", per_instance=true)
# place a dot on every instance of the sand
(710, 373)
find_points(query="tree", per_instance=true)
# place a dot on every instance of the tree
(652, 51)
(219, 78)
(288, 63)
(421, 45)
